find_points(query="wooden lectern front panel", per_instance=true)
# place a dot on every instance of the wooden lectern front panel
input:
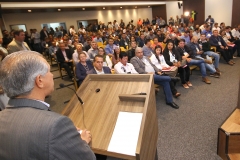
(104, 97)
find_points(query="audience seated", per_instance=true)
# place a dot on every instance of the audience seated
(93, 51)
(143, 65)
(232, 48)
(82, 67)
(199, 54)
(115, 57)
(122, 67)
(76, 53)
(124, 41)
(98, 67)
(109, 49)
(147, 50)
(191, 59)
(64, 57)
(206, 47)
(218, 42)
(173, 58)
(106, 59)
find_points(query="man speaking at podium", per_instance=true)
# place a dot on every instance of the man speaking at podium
(28, 130)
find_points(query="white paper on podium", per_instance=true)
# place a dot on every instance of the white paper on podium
(125, 135)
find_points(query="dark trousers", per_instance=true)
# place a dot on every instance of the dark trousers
(224, 53)
(66, 66)
(232, 50)
(172, 86)
(184, 74)
(37, 47)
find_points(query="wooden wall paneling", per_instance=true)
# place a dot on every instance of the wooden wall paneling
(197, 6)
(160, 11)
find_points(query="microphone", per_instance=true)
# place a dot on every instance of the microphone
(79, 99)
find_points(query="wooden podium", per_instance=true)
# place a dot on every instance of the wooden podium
(229, 135)
(104, 96)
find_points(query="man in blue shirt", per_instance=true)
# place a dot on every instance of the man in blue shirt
(207, 31)
(109, 49)
(186, 37)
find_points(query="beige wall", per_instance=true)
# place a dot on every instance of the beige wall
(34, 20)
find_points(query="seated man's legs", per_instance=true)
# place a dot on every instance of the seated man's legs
(201, 64)
(225, 55)
(66, 67)
(210, 67)
(164, 82)
(216, 58)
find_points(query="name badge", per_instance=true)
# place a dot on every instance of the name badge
(219, 43)
(185, 53)
(209, 35)
(126, 43)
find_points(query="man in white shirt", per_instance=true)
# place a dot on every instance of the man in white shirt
(215, 27)
(235, 32)
(122, 67)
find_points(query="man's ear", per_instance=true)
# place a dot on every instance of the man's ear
(39, 82)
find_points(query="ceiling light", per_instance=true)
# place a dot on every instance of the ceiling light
(103, 8)
(148, 6)
(59, 10)
(29, 10)
(120, 7)
(83, 8)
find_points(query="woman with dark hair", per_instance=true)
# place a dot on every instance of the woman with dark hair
(115, 57)
(173, 58)
(158, 60)
(106, 59)
(82, 67)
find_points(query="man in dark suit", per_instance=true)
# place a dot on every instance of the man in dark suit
(43, 34)
(29, 130)
(98, 66)
(64, 57)
(143, 65)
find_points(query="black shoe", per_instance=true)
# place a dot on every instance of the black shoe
(173, 105)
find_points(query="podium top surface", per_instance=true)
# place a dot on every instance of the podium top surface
(104, 96)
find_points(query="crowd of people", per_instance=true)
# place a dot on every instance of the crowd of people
(143, 47)
(157, 48)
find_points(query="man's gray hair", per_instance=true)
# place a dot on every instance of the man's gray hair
(19, 70)
(137, 49)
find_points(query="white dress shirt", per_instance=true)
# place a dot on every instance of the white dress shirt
(102, 72)
(119, 68)
(65, 55)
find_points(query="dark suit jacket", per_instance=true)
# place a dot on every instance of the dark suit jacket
(106, 70)
(140, 66)
(167, 56)
(81, 72)
(42, 35)
(214, 41)
(30, 131)
(187, 49)
(60, 56)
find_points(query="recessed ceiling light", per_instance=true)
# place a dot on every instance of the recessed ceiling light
(148, 6)
(29, 10)
(120, 7)
(83, 8)
(103, 8)
(59, 10)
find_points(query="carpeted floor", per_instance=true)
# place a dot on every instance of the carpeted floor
(190, 132)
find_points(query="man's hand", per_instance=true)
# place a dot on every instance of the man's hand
(70, 60)
(226, 47)
(86, 136)
(222, 47)
(159, 73)
(200, 52)
(188, 60)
